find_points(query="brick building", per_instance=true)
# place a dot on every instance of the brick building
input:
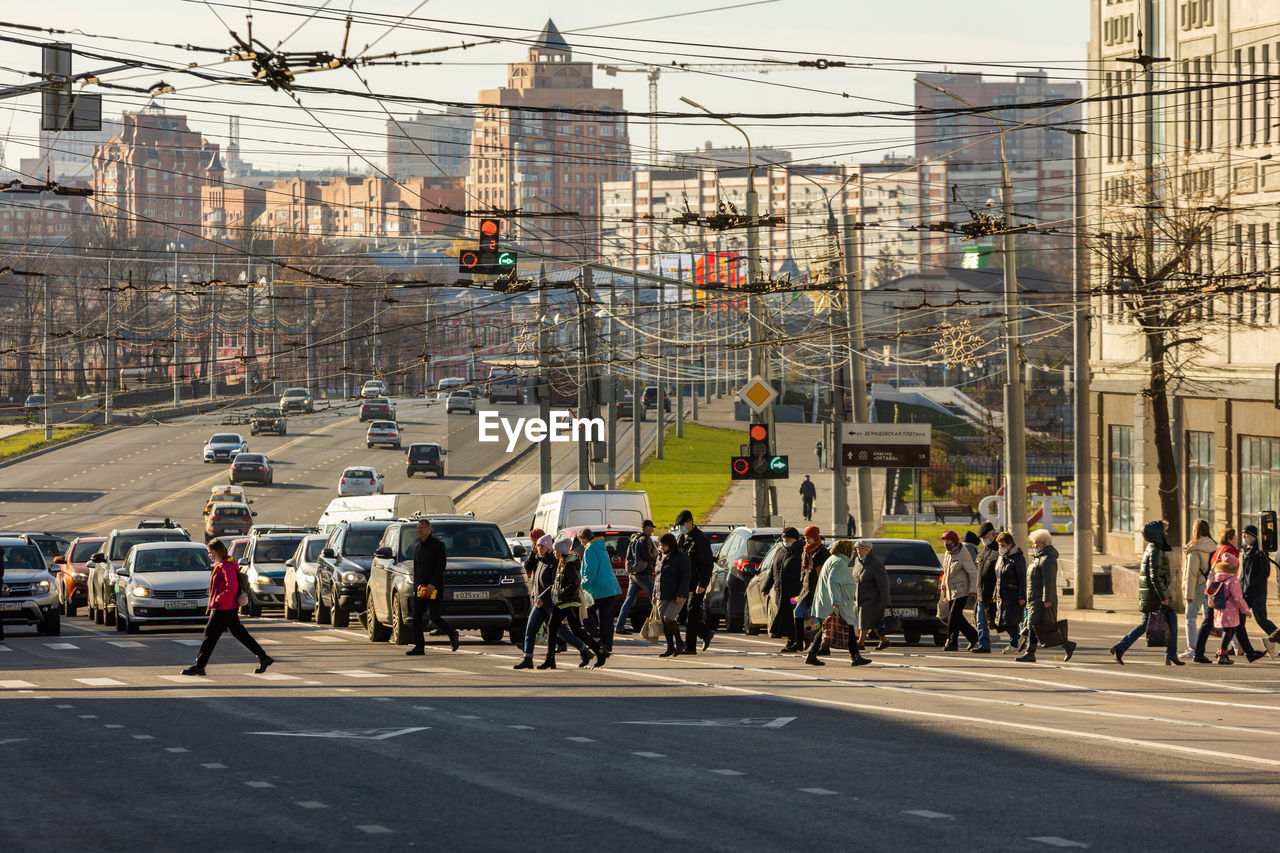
(359, 207)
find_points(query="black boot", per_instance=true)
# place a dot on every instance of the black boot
(856, 656)
(550, 662)
(526, 663)
(812, 657)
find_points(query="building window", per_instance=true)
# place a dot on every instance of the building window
(1259, 477)
(1199, 477)
(1121, 479)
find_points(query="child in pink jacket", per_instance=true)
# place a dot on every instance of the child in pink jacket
(1228, 618)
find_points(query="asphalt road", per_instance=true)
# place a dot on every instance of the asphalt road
(347, 744)
(153, 471)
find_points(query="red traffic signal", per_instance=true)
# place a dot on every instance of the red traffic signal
(469, 260)
(488, 228)
(759, 432)
(740, 468)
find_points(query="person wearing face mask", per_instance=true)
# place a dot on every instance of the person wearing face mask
(695, 544)
(672, 588)
(1042, 592)
(812, 557)
(987, 556)
(1255, 572)
(959, 586)
(1153, 594)
(873, 593)
(542, 585)
(784, 584)
(1010, 590)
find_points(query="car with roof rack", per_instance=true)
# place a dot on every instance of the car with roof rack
(29, 595)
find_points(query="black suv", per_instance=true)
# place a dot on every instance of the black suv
(342, 571)
(424, 459)
(737, 561)
(484, 585)
(649, 397)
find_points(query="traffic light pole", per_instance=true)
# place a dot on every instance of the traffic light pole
(759, 365)
(857, 363)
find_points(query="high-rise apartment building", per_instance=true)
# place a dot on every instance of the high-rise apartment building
(532, 151)
(430, 145)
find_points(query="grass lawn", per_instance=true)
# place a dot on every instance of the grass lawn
(930, 531)
(693, 476)
(33, 439)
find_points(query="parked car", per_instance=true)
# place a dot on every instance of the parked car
(163, 583)
(484, 586)
(268, 419)
(224, 446)
(425, 459)
(373, 388)
(342, 571)
(296, 400)
(103, 565)
(266, 569)
(29, 595)
(359, 481)
(379, 407)
(251, 468)
(460, 401)
(300, 578)
(228, 519)
(237, 546)
(649, 396)
(383, 432)
(736, 564)
(73, 572)
(717, 533)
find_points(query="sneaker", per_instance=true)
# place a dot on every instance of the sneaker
(1189, 654)
(1009, 650)
(193, 670)
(1117, 654)
(264, 662)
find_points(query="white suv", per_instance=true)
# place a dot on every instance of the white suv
(29, 595)
(460, 401)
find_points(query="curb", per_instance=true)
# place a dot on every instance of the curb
(68, 443)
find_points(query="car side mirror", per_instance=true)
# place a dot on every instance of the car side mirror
(518, 551)
(327, 553)
(98, 558)
(289, 564)
(123, 571)
(383, 552)
(254, 514)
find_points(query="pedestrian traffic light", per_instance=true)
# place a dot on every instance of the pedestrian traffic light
(740, 468)
(1269, 531)
(488, 258)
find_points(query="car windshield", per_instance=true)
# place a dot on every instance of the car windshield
(121, 544)
(21, 557)
(357, 474)
(466, 539)
(906, 554)
(275, 550)
(252, 458)
(52, 547)
(429, 451)
(238, 548)
(231, 511)
(225, 438)
(758, 546)
(295, 392)
(360, 542)
(83, 551)
(171, 560)
(314, 547)
(382, 425)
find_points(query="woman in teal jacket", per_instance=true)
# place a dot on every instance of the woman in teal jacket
(601, 584)
(837, 592)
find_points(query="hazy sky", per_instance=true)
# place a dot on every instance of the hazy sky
(278, 134)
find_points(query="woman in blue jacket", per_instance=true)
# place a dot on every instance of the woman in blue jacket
(837, 593)
(599, 581)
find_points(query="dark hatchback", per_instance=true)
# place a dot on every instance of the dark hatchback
(424, 459)
(378, 409)
(484, 585)
(251, 468)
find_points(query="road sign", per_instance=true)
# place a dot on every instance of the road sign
(885, 445)
(757, 394)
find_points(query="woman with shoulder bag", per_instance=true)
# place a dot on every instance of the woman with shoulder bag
(1196, 570)
(542, 585)
(836, 597)
(671, 583)
(567, 598)
(225, 600)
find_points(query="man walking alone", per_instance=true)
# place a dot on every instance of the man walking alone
(808, 493)
(429, 559)
(697, 546)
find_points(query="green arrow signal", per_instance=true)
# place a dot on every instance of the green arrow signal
(777, 463)
(506, 259)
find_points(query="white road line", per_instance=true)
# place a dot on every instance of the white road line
(273, 676)
(581, 739)
(194, 681)
(310, 804)
(323, 638)
(213, 765)
(821, 792)
(112, 726)
(17, 685)
(649, 754)
(1055, 841)
(100, 682)
(188, 642)
(259, 784)
(143, 737)
(444, 670)
(176, 749)
(372, 829)
(64, 706)
(925, 813)
(61, 646)
(87, 716)
(520, 728)
(124, 644)
(357, 673)
(474, 717)
(726, 772)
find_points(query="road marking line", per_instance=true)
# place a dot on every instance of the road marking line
(581, 739)
(821, 792)
(213, 765)
(1055, 841)
(100, 682)
(925, 813)
(61, 646)
(124, 644)
(112, 726)
(444, 671)
(16, 685)
(273, 676)
(357, 673)
(143, 737)
(259, 784)
(176, 749)
(64, 706)
(521, 728)
(310, 804)
(323, 638)
(188, 642)
(649, 754)
(372, 829)
(87, 716)
(726, 772)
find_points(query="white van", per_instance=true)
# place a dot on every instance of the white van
(447, 386)
(382, 508)
(595, 508)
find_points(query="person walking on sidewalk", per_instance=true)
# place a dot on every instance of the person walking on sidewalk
(224, 607)
(599, 582)
(1229, 609)
(1255, 574)
(783, 583)
(672, 584)
(818, 451)
(959, 587)
(642, 556)
(1154, 594)
(429, 560)
(695, 544)
(850, 523)
(1011, 590)
(1196, 569)
(1042, 593)
(985, 613)
(872, 581)
(808, 493)
(542, 595)
(567, 595)
(836, 596)
(812, 557)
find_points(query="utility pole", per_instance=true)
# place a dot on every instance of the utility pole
(177, 342)
(275, 333)
(659, 371)
(759, 363)
(249, 359)
(213, 334)
(611, 397)
(1082, 535)
(840, 372)
(544, 382)
(375, 351)
(1015, 491)
(426, 344)
(306, 310)
(857, 360)
(346, 344)
(48, 354)
(678, 372)
(109, 356)
(637, 405)
(584, 378)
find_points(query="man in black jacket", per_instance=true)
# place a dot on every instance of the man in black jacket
(429, 559)
(1255, 572)
(988, 553)
(694, 543)
(784, 584)
(808, 492)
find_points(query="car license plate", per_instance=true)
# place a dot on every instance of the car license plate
(10, 605)
(469, 595)
(182, 605)
(907, 612)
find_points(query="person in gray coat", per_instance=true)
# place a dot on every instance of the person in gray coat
(1042, 592)
(873, 592)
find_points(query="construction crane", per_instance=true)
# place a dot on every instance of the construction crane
(655, 71)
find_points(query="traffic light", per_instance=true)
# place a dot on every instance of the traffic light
(760, 463)
(1269, 531)
(488, 258)
(758, 440)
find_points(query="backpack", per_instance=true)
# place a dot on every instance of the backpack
(1217, 595)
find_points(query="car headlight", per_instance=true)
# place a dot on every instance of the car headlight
(44, 586)
(80, 576)
(142, 592)
(262, 579)
(352, 577)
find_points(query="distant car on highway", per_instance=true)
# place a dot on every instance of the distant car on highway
(460, 401)
(269, 419)
(342, 572)
(228, 519)
(224, 446)
(73, 572)
(296, 400)
(300, 578)
(359, 481)
(625, 408)
(373, 388)
(34, 401)
(424, 459)
(448, 386)
(29, 595)
(266, 569)
(383, 432)
(102, 580)
(649, 397)
(379, 407)
(251, 468)
(163, 583)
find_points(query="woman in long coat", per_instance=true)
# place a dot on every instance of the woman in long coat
(1042, 591)
(873, 592)
(836, 593)
(784, 583)
(1011, 589)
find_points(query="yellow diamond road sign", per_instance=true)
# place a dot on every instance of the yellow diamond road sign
(757, 394)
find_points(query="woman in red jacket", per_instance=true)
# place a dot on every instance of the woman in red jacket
(224, 606)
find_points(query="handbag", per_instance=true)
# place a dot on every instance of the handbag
(1158, 629)
(652, 628)
(835, 632)
(1050, 632)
